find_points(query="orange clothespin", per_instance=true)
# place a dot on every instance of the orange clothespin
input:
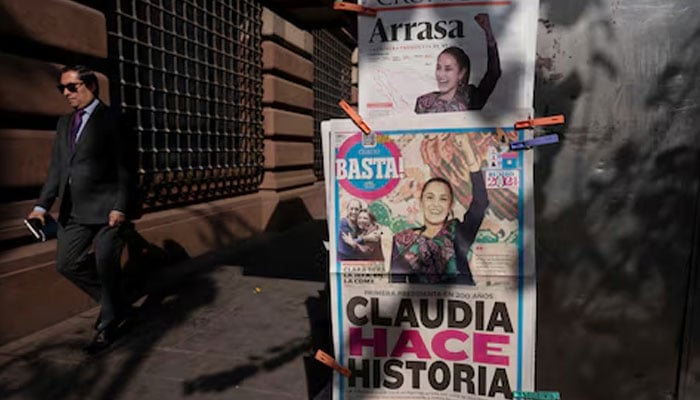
(347, 6)
(355, 117)
(544, 121)
(330, 361)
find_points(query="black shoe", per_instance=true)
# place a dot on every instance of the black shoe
(102, 340)
(126, 314)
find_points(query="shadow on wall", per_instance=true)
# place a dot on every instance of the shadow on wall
(613, 204)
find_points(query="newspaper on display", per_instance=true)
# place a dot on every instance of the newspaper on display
(435, 56)
(432, 260)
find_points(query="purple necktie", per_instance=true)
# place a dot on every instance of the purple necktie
(75, 127)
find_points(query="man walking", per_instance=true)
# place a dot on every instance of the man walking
(88, 173)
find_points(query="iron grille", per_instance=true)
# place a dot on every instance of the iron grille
(190, 82)
(332, 82)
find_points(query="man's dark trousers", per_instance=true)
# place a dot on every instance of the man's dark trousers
(101, 281)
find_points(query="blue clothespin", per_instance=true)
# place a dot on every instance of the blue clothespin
(538, 141)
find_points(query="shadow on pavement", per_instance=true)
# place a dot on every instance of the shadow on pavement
(174, 290)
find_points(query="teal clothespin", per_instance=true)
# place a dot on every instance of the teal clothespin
(536, 395)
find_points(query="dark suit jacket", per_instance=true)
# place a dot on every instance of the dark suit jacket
(96, 172)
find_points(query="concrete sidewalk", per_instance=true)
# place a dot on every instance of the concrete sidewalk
(236, 324)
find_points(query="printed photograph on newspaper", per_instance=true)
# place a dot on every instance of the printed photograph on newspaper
(457, 56)
(432, 265)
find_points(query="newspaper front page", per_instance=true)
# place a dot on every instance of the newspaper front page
(432, 260)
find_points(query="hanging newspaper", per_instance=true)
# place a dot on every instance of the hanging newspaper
(435, 56)
(432, 265)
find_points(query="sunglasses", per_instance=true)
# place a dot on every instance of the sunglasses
(72, 87)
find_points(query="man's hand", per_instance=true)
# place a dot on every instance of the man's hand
(116, 218)
(38, 215)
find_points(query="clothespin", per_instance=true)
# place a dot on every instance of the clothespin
(544, 121)
(538, 141)
(347, 6)
(531, 123)
(330, 361)
(355, 117)
(537, 395)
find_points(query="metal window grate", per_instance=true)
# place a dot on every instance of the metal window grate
(332, 82)
(190, 81)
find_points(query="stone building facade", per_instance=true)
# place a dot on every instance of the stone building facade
(222, 100)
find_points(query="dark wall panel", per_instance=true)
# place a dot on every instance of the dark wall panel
(616, 199)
